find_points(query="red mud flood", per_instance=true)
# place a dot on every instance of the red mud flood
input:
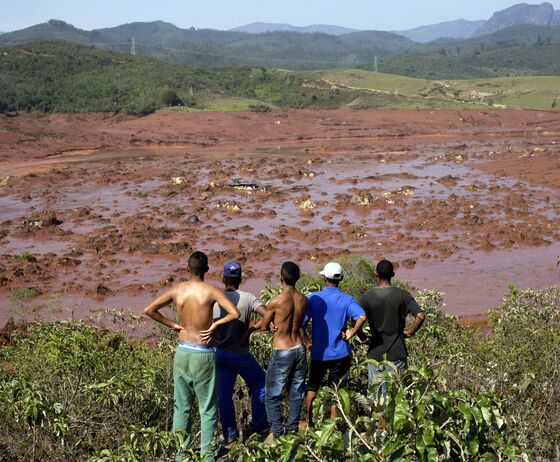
(95, 210)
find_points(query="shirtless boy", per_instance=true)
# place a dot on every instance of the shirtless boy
(194, 367)
(288, 364)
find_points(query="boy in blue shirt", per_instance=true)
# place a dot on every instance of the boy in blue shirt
(330, 309)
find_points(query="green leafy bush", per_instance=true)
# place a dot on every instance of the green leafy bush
(422, 420)
(170, 98)
(69, 391)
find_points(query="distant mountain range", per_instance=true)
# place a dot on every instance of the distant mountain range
(523, 13)
(459, 29)
(261, 27)
(513, 49)
(207, 47)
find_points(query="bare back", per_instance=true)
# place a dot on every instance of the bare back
(287, 312)
(194, 301)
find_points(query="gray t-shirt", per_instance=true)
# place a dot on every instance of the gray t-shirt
(231, 336)
(386, 309)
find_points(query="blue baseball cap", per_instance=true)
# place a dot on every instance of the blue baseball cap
(232, 269)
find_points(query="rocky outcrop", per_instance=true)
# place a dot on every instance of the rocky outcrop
(538, 15)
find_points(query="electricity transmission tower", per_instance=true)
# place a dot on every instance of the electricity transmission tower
(375, 69)
(133, 47)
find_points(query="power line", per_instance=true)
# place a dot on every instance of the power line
(133, 51)
(217, 55)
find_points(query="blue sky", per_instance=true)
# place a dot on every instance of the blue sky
(225, 14)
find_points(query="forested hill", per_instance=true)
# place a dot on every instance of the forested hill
(206, 47)
(518, 51)
(66, 77)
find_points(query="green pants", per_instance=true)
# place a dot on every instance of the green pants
(194, 374)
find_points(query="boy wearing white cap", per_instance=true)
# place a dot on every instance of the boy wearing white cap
(330, 309)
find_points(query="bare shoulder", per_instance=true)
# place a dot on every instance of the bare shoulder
(212, 291)
(211, 287)
(300, 298)
(182, 287)
(273, 303)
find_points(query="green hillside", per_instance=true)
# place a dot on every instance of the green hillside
(515, 51)
(523, 34)
(50, 30)
(207, 47)
(65, 77)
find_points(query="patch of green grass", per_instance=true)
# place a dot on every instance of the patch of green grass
(25, 255)
(23, 294)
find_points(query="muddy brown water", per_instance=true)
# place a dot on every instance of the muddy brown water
(463, 211)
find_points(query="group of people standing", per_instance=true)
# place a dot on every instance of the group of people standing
(215, 326)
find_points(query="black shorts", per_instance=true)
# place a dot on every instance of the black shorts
(337, 369)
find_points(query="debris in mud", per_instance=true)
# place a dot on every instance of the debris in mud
(246, 186)
(4, 180)
(423, 214)
(307, 205)
(473, 220)
(231, 206)
(210, 185)
(448, 180)
(409, 263)
(102, 290)
(178, 180)
(363, 198)
(39, 221)
(404, 191)
(107, 240)
(69, 262)
(152, 249)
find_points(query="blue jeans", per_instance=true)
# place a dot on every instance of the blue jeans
(374, 371)
(228, 366)
(287, 367)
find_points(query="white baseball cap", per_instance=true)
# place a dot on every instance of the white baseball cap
(333, 271)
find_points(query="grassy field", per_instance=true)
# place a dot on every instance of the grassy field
(65, 77)
(523, 92)
(359, 89)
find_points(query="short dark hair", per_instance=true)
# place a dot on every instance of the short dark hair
(290, 273)
(231, 281)
(335, 282)
(385, 270)
(198, 263)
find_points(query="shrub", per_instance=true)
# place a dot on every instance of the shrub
(69, 391)
(422, 420)
(67, 396)
(170, 98)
